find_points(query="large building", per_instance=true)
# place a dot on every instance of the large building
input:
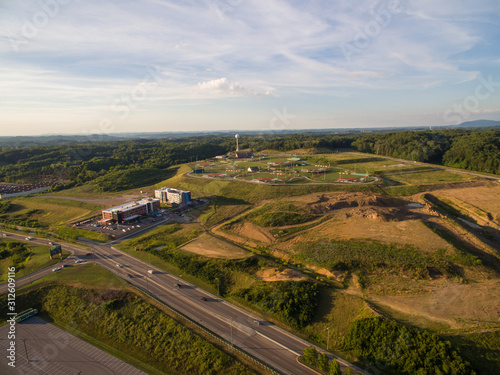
(131, 211)
(169, 195)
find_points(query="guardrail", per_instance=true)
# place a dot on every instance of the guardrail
(214, 335)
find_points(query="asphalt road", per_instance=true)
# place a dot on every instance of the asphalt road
(270, 344)
(42, 348)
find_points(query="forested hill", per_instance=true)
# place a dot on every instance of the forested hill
(477, 150)
(115, 165)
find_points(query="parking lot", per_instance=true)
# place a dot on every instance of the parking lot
(117, 231)
(42, 348)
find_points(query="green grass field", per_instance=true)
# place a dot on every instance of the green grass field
(425, 176)
(85, 275)
(335, 312)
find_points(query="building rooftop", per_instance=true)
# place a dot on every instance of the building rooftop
(128, 206)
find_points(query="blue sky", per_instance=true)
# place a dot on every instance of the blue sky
(75, 66)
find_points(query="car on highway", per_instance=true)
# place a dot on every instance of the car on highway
(88, 254)
(119, 265)
(29, 238)
(79, 261)
(151, 272)
(203, 298)
(56, 269)
(66, 265)
(177, 285)
(51, 243)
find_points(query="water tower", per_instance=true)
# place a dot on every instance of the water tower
(237, 136)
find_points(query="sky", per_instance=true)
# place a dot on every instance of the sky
(104, 66)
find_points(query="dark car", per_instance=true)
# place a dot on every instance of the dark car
(203, 298)
(177, 285)
(88, 254)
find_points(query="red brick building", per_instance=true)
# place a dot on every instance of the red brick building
(133, 210)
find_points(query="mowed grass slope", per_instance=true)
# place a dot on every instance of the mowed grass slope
(51, 211)
(38, 258)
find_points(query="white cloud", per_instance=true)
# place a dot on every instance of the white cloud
(223, 87)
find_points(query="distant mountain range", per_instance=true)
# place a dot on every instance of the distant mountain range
(55, 139)
(478, 124)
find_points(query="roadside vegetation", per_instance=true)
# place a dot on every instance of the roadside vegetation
(120, 319)
(397, 349)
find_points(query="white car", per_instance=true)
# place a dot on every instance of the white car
(151, 271)
(119, 265)
(29, 238)
(79, 261)
(56, 269)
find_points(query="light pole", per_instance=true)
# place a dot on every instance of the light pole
(327, 337)
(232, 333)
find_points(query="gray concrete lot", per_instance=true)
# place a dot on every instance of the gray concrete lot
(42, 348)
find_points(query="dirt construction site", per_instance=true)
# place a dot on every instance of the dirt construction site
(464, 217)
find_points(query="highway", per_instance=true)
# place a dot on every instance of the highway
(270, 344)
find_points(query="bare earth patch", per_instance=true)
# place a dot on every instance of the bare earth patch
(271, 274)
(376, 223)
(254, 232)
(457, 305)
(212, 247)
(486, 197)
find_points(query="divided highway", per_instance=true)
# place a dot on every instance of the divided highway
(270, 344)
